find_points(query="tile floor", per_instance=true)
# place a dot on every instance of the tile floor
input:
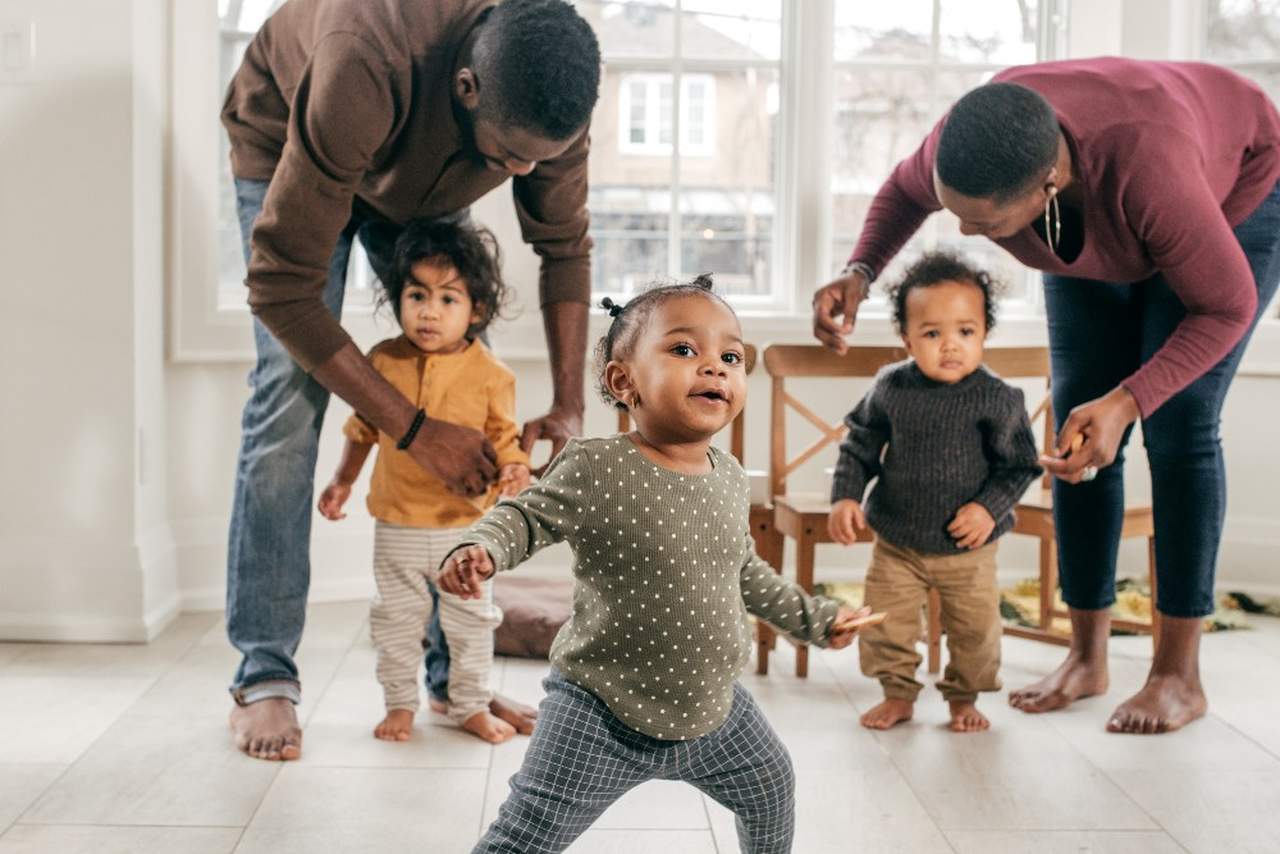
(124, 750)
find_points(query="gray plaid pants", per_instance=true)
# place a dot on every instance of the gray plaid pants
(581, 759)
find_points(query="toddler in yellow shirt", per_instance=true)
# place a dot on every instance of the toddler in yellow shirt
(444, 284)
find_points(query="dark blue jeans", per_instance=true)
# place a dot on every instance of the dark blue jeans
(1099, 334)
(268, 554)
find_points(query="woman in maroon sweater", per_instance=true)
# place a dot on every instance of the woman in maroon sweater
(1148, 194)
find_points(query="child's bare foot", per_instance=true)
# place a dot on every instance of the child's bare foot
(1074, 680)
(1164, 704)
(396, 726)
(518, 715)
(888, 713)
(267, 729)
(965, 717)
(492, 729)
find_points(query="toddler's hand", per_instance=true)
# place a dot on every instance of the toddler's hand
(513, 478)
(331, 500)
(464, 570)
(972, 526)
(845, 627)
(846, 515)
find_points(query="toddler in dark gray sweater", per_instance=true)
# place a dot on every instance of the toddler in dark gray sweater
(950, 449)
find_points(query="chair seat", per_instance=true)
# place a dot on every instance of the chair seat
(797, 514)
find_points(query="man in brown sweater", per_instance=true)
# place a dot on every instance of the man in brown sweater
(346, 116)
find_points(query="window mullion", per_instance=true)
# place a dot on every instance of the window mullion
(674, 223)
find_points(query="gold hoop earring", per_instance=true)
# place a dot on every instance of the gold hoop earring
(1053, 234)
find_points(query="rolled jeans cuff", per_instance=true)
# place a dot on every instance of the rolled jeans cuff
(266, 690)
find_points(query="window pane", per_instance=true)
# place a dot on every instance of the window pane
(727, 201)
(631, 30)
(1243, 29)
(665, 108)
(898, 30)
(732, 29)
(636, 91)
(1000, 32)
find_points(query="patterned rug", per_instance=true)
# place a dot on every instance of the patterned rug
(1020, 604)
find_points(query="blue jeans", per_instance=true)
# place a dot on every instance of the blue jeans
(268, 554)
(1099, 334)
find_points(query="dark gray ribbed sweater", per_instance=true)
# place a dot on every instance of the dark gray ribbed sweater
(948, 445)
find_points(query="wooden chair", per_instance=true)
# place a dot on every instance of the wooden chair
(803, 517)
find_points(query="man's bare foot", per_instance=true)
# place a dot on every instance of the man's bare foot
(520, 716)
(1074, 680)
(965, 717)
(267, 729)
(1164, 704)
(440, 707)
(492, 729)
(396, 726)
(888, 713)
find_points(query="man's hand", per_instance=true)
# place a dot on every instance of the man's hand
(464, 570)
(846, 515)
(1091, 435)
(331, 500)
(459, 456)
(512, 479)
(972, 526)
(558, 426)
(838, 298)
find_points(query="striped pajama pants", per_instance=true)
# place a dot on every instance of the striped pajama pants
(581, 759)
(403, 559)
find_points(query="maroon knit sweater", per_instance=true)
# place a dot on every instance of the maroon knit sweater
(1170, 157)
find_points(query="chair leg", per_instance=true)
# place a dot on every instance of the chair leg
(1151, 580)
(1048, 580)
(769, 545)
(934, 611)
(804, 577)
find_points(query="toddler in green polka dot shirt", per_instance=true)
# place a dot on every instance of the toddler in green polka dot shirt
(644, 679)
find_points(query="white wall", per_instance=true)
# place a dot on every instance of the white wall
(85, 524)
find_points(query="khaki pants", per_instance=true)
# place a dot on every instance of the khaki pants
(898, 583)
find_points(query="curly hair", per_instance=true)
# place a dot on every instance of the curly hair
(629, 321)
(471, 250)
(935, 268)
(541, 62)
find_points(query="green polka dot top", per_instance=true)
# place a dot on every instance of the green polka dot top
(666, 575)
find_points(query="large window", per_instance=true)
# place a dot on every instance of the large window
(898, 67)
(684, 144)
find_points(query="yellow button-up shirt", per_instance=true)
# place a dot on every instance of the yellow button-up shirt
(470, 388)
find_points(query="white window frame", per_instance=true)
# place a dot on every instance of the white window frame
(652, 145)
(201, 329)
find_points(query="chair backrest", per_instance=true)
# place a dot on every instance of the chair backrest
(783, 361)
(737, 435)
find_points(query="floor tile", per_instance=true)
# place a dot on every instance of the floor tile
(56, 718)
(20, 785)
(88, 839)
(650, 842)
(1216, 808)
(1062, 842)
(382, 809)
(100, 660)
(146, 770)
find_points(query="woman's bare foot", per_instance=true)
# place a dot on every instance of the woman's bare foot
(267, 729)
(396, 726)
(492, 729)
(888, 713)
(965, 717)
(1173, 696)
(518, 715)
(1074, 680)
(1083, 674)
(1164, 704)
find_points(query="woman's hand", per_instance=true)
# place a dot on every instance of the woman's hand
(838, 298)
(464, 570)
(1101, 424)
